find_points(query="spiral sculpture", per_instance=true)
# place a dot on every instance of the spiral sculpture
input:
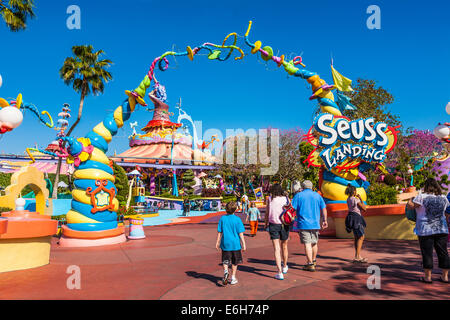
(332, 183)
(94, 203)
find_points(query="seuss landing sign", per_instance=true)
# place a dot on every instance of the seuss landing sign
(343, 144)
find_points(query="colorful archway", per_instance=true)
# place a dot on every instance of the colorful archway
(26, 176)
(94, 203)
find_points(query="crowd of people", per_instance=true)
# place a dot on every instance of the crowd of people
(431, 207)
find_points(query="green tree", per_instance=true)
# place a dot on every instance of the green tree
(188, 182)
(290, 166)
(243, 167)
(87, 73)
(16, 12)
(371, 100)
(309, 173)
(121, 184)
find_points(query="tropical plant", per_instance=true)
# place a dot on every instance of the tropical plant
(87, 74)
(16, 12)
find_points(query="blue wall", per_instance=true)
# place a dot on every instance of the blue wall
(60, 206)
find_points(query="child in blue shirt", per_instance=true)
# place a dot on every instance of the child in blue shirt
(230, 237)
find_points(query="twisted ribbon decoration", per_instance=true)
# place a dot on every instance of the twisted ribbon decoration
(34, 109)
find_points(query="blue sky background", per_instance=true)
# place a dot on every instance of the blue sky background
(409, 56)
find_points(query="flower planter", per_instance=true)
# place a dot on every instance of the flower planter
(25, 240)
(386, 222)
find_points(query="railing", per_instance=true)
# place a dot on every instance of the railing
(116, 158)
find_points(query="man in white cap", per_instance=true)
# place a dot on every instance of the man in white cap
(310, 208)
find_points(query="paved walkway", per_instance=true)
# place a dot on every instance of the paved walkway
(180, 262)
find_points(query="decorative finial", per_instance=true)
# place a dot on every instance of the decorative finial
(20, 204)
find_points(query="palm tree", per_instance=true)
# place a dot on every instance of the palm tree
(87, 74)
(16, 12)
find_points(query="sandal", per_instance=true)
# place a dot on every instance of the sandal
(362, 260)
(309, 267)
(442, 280)
(425, 281)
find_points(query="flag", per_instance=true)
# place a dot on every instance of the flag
(344, 102)
(341, 82)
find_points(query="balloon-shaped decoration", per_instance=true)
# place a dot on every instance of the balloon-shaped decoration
(441, 131)
(1, 81)
(10, 118)
(447, 107)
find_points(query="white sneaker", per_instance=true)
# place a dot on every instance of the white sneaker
(233, 281)
(279, 276)
(285, 269)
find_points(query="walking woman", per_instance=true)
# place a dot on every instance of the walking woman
(355, 221)
(431, 228)
(279, 233)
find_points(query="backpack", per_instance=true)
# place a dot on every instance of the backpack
(289, 214)
(410, 214)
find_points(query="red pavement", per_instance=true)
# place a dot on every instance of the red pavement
(180, 262)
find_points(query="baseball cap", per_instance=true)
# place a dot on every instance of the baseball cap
(307, 184)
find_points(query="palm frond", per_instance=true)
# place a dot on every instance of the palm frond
(85, 71)
(16, 12)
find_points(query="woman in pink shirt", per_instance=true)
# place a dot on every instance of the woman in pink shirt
(279, 233)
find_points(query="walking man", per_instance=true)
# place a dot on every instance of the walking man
(311, 216)
(244, 201)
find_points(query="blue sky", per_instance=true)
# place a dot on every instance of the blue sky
(409, 56)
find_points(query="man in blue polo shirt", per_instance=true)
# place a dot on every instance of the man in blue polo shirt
(310, 207)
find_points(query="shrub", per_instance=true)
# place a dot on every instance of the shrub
(390, 180)
(130, 212)
(5, 179)
(228, 198)
(4, 209)
(379, 194)
(61, 217)
(211, 193)
(121, 184)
